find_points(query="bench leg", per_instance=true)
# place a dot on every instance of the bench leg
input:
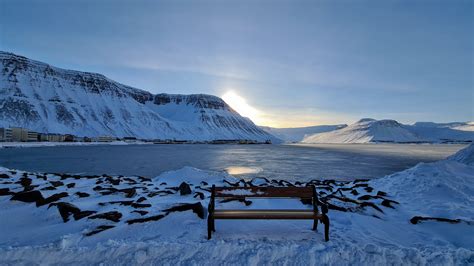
(209, 227)
(315, 224)
(325, 221)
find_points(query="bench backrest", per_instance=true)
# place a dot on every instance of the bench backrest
(264, 192)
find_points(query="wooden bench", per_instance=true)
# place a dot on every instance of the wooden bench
(305, 193)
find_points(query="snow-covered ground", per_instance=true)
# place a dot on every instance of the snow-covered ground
(372, 222)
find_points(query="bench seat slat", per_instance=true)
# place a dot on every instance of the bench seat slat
(266, 214)
(264, 192)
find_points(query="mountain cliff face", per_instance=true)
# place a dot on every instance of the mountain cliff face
(43, 98)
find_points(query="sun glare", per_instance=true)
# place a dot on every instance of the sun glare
(240, 105)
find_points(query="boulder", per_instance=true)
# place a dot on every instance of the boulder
(129, 192)
(195, 207)
(5, 192)
(28, 196)
(25, 181)
(113, 216)
(141, 199)
(140, 212)
(99, 229)
(184, 189)
(4, 176)
(71, 185)
(82, 214)
(57, 183)
(52, 198)
(140, 205)
(199, 194)
(82, 194)
(66, 209)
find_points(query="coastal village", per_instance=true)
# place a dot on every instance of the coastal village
(18, 134)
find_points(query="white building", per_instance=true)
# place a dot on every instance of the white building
(5, 134)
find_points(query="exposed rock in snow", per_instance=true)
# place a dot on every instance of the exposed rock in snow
(47, 99)
(370, 130)
(299, 133)
(366, 130)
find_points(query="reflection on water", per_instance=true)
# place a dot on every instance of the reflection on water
(242, 170)
(290, 162)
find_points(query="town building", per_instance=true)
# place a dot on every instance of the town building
(19, 134)
(106, 139)
(32, 136)
(5, 134)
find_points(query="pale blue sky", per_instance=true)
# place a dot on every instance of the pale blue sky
(296, 62)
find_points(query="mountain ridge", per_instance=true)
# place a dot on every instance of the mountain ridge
(49, 99)
(368, 130)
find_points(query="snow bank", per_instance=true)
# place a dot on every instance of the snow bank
(441, 189)
(465, 156)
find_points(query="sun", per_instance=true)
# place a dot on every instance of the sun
(240, 105)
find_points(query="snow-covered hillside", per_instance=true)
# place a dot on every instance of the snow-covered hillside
(366, 130)
(444, 132)
(370, 130)
(297, 134)
(43, 98)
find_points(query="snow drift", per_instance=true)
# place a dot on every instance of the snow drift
(47, 99)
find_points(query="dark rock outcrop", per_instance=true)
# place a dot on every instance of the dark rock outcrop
(99, 229)
(184, 189)
(195, 207)
(28, 196)
(113, 216)
(52, 198)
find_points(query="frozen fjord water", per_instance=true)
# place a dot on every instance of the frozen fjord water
(291, 162)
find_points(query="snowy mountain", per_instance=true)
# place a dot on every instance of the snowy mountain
(370, 130)
(444, 132)
(44, 98)
(299, 133)
(366, 130)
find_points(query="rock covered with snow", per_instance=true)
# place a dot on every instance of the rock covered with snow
(47, 99)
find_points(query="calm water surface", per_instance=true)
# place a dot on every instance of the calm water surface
(292, 162)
